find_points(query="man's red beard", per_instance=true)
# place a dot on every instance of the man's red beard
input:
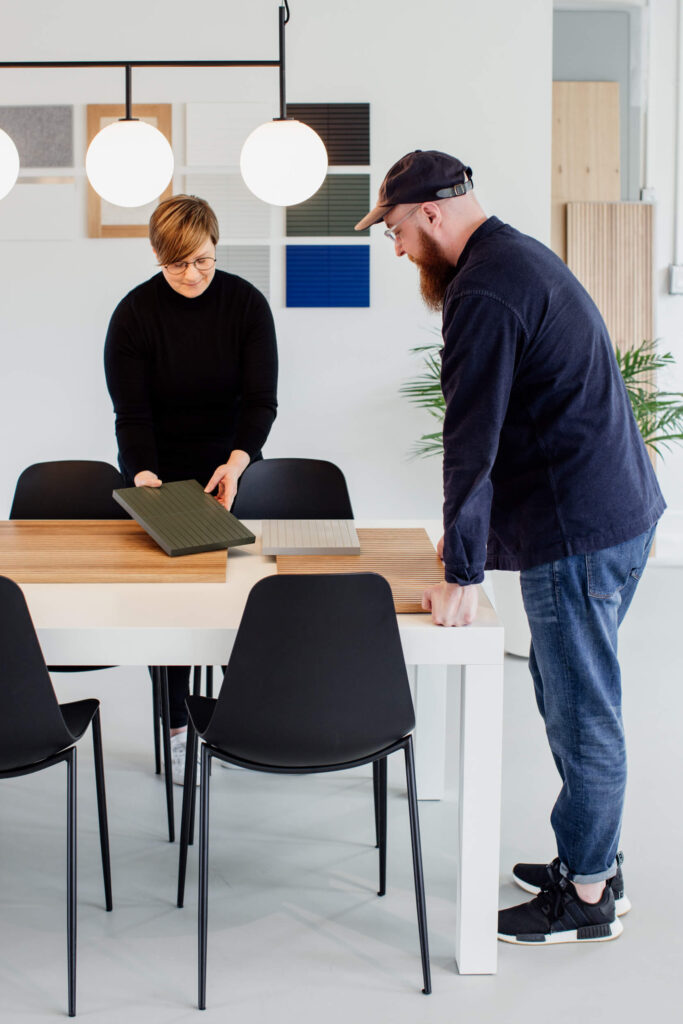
(436, 273)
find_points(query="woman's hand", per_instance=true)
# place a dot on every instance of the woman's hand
(146, 478)
(226, 476)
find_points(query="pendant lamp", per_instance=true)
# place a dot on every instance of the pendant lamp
(284, 161)
(129, 163)
(9, 164)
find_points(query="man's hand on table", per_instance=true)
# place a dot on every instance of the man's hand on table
(451, 604)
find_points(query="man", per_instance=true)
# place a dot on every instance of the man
(544, 472)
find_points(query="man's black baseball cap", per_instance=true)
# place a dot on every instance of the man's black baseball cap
(416, 178)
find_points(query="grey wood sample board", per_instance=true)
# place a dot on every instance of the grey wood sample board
(182, 518)
(309, 537)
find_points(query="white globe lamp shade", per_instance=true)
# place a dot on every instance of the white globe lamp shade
(129, 163)
(9, 164)
(283, 162)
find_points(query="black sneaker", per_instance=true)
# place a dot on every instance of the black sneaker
(533, 877)
(558, 915)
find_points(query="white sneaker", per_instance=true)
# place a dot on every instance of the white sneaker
(178, 748)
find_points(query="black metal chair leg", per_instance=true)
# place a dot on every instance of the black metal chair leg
(203, 872)
(166, 737)
(188, 794)
(382, 815)
(102, 808)
(71, 877)
(417, 865)
(375, 800)
(197, 681)
(193, 801)
(156, 712)
(209, 681)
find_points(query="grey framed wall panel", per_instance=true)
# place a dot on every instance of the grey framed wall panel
(341, 201)
(240, 214)
(42, 134)
(252, 262)
(343, 127)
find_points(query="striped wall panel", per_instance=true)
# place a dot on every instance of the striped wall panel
(328, 275)
(343, 127)
(610, 249)
(252, 262)
(341, 201)
(240, 214)
(216, 132)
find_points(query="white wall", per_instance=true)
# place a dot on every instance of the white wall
(664, 123)
(472, 79)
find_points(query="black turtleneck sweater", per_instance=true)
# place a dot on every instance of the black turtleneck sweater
(191, 379)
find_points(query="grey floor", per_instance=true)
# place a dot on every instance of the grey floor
(296, 932)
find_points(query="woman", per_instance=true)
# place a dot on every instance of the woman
(191, 365)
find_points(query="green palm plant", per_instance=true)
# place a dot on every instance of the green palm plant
(659, 414)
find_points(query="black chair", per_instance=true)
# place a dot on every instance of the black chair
(36, 732)
(82, 489)
(316, 682)
(295, 489)
(292, 489)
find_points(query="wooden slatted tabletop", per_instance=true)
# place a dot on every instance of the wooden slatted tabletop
(406, 559)
(97, 551)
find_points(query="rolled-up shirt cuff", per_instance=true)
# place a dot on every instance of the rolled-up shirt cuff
(464, 575)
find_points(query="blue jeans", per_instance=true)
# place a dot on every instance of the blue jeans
(574, 607)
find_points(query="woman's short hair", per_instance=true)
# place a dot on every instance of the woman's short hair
(179, 225)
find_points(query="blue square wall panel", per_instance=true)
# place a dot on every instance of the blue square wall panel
(328, 275)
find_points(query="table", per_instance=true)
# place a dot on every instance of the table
(196, 623)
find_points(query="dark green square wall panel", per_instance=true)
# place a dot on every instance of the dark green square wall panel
(343, 127)
(340, 202)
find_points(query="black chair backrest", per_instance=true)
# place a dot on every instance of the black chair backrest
(31, 724)
(292, 489)
(316, 676)
(68, 490)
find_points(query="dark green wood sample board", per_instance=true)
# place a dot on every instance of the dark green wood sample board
(182, 518)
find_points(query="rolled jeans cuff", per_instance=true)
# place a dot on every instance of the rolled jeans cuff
(599, 876)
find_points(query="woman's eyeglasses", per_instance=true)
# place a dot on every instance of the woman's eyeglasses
(203, 263)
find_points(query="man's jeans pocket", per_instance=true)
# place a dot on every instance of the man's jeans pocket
(609, 570)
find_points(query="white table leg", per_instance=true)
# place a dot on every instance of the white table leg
(430, 731)
(481, 731)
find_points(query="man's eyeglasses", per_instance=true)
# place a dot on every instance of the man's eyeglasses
(391, 232)
(203, 263)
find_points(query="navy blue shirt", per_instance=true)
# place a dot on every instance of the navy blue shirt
(542, 454)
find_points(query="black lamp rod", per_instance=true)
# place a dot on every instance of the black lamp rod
(140, 64)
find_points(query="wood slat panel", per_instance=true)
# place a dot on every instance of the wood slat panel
(585, 149)
(610, 249)
(97, 551)
(406, 559)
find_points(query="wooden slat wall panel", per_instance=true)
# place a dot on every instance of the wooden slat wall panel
(609, 248)
(585, 149)
(343, 127)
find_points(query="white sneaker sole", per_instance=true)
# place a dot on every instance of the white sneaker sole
(622, 905)
(554, 938)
